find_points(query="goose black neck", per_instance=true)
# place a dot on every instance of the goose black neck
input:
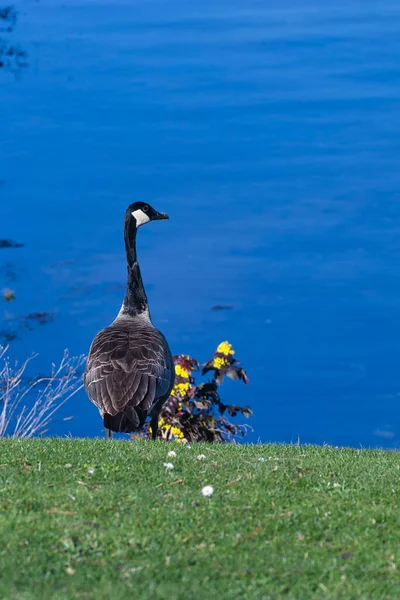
(135, 301)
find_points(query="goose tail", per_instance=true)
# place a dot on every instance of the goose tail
(125, 422)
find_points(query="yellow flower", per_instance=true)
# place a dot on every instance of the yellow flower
(181, 372)
(219, 362)
(176, 432)
(162, 425)
(225, 348)
(181, 389)
(167, 427)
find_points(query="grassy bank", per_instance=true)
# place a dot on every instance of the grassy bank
(100, 519)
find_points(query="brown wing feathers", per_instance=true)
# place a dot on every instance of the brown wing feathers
(128, 369)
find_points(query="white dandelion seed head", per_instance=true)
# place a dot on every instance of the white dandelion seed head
(168, 466)
(90, 471)
(201, 457)
(171, 453)
(207, 491)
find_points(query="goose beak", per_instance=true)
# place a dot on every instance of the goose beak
(158, 216)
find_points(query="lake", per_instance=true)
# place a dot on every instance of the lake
(270, 133)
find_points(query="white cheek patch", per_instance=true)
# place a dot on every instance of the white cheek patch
(140, 217)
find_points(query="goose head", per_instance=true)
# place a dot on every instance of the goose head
(143, 213)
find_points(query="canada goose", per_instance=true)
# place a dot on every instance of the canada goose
(130, 372)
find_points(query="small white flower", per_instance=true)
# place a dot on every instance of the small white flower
(207, 491)
(201, 457)
(90, 471)
(261, 459)
(168, 466)
(171, 453)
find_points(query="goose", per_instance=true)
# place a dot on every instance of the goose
(130, 372)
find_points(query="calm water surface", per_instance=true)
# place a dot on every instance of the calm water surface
(270, 132)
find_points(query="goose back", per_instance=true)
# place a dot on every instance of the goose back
(129, 370)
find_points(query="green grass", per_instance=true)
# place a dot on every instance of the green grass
(307, 523)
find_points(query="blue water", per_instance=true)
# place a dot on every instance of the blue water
(270, 132)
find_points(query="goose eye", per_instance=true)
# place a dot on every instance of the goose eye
(145, 208)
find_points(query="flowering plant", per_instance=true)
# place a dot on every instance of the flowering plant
(195, 412)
